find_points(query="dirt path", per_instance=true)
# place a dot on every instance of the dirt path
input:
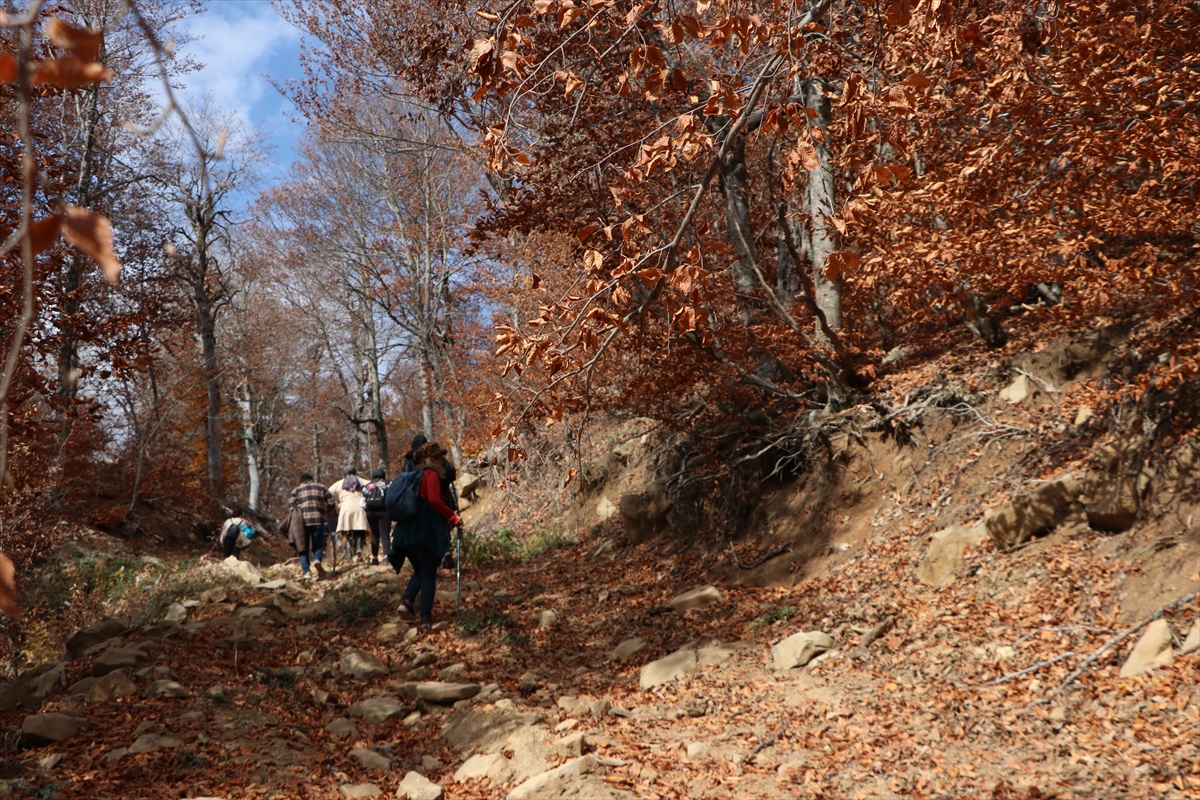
(269, 706)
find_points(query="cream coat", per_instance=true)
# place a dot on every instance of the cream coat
(351, 515)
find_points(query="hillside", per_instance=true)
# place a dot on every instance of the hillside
(971, 671)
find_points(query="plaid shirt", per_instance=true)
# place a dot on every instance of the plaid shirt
(313, 500)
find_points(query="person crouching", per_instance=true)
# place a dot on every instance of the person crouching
(425, 539)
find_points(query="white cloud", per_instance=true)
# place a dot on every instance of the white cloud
(237, 41)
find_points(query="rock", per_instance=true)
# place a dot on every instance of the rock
(945, 553)
(158, 673)
(43, 729)
(1017, 391)
(377, 709)
(645, 514)
(558, 782)
(695, 598)
(356, 790)
(493, 767)
(529, 683)
(218, 693)
(698, 751)
(546, 618)
(98, 633)
(341, 728)
(391, 630)
(575, 706)
(177, 613)
(150, 742)
(445, 693)
(792, 770)
(50, 681)
(713, 654)
(83, 687)
(363, 665)
(113, 685)
(160, 690)
(466, 484)
(1153, 650)
(570, 745)
(453, 672)
(1192, 643)
(242, 569)
(416, 786)
(618, 711)
(798, 649)
(694, 707)
(429, 763)
(217, 595)
(424, 660)
(626, 649)
(1043, 509)
(278, 583)
(667, 668)
(1058, 714)
(413, 718)
(566, 725)
(115, 658)
(1083, 415)
(605, 508)
(369, 759)
(411, 634)
(1114, 503)
(116, 753)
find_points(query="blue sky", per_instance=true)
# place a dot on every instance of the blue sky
(241, 43)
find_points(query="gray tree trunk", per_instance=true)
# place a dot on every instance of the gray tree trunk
(821, 241)
(735, 186)
(250, 439)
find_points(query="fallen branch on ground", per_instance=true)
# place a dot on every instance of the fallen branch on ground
(1028, 670)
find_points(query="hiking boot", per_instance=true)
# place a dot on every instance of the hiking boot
(426, 625)
(320, 570)
(406, 611)
(374, 561)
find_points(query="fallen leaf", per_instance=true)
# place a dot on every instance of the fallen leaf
(93, 234)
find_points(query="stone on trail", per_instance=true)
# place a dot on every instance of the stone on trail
(945, 552)
(416, 786)
(626, 649)
(98, 633)
(149, 742)
(218, 594)
(242, 569)
(668, 668)
(116, 753)
(376, 709)
(698, 751)
(453, 672)
(429, 763)
(493, 767)
(113, 685)
(115, 658)
(1017, 391)
(369, 759)
(361, 664)
(545, 618)
(443, 693)
(575, 706)
(176, 613)
(570, 745)
(50, 680)
(424, 660)
(278, 583)
(1153, 650)
(83, 687)
(42, 729)
(160, 690)
(1192, 643)
(1045, 508)
(696, 598)
(340, 728)
(355, 790)
(391, 630)
(798, 649)
(559, 782)
(51, 761)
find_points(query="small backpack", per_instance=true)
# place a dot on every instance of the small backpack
(374, 496)
(402, 496)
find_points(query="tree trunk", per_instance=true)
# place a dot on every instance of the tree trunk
(821, 240)
(250, 440)
(735, 186)
(206, 320)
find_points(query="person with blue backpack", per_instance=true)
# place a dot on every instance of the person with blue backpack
(422, 533)
(374, 503)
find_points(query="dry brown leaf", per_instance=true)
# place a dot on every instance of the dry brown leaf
(92, 233)
(8, 68)
(70, 72)
(44, 233)
(8, 587)
(81, 42)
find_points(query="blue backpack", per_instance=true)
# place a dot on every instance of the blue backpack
(402, 496)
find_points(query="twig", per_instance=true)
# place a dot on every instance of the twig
(1027, 670)
(770, 740)
(870, 636)
(1060, 629)
(1115, 640)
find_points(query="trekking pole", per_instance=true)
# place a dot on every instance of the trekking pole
(458, 576)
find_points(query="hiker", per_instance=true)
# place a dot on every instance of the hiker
(425, 539)
(448, 475)
(378, 521)
(313, 501)
(351, 518)
(236, 535)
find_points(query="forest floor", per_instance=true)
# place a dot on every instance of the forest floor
(937, 706)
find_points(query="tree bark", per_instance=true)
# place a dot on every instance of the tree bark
(735, 186)
(821, 241)
(245, 403)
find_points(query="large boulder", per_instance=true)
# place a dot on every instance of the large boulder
(645, 514)
(115, 658)
(242, 569)
(668, 668)
(572, 779)
(50, 680)
(416, 786)
(696, 598)
(42, 729)
(798, 649)
(945, 553)
(1153, 650)
(113, 685)
(1043, 509)
(98, 633)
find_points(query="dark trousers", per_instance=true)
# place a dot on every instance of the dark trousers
(424, 579)
(381, 533)
(229, 545)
